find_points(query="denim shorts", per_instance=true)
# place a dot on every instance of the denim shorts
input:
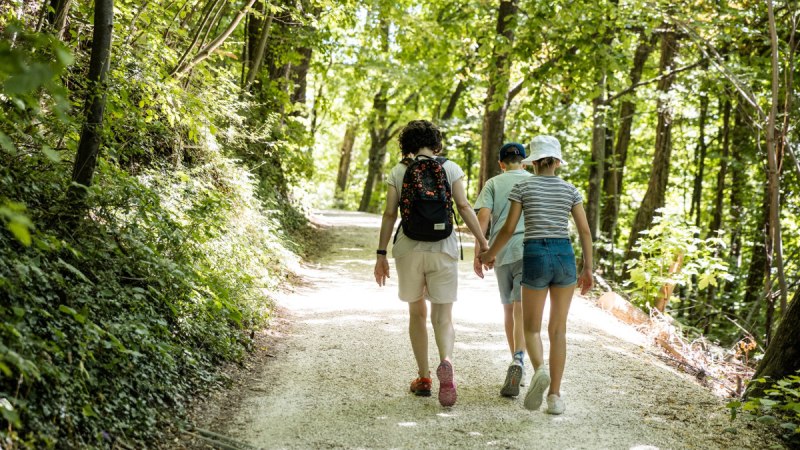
(548, 262)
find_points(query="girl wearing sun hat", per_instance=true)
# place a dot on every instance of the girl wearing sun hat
(548, 263)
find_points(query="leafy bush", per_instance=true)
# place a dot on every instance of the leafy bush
(780, 406)
(670, 253)
(111, 321)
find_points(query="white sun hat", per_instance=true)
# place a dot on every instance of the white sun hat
(544, 146)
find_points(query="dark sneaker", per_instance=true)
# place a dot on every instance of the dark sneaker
(513, 380)
(421, 386)
(447, 384)
(539, 383)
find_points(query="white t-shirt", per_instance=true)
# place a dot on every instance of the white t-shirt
(404, 244)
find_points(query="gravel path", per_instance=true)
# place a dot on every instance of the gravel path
(339, 369)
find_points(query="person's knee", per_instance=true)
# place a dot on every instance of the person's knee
(418, 310)
(557, 330)
(440, 316)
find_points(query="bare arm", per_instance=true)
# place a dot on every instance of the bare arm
(466, 212)
(387, 225)
(484, 218)
(585, 279)
(514, 213)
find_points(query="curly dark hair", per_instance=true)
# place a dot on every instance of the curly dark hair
(418, 134)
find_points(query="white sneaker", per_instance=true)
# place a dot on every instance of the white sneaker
(555, 405)
(539, 382)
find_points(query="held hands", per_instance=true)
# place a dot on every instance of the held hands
(381, 270)
(487, 259)
(585, 280)
(477, 265)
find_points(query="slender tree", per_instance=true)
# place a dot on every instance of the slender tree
(657, 187)
(91, 134)
(495, 105)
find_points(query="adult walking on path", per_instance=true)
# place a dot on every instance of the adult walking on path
(426, 258)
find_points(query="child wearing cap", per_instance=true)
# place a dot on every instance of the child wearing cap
(493, 206)
(548, 263)
(426, 270)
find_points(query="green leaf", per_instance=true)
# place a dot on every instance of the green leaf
(767, 419)
(8, 412)
(20, 231)
(7, 145)
(51, 154)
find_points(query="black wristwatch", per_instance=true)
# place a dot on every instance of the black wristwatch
(381, 252)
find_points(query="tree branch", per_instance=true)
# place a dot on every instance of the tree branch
(653, 80)
(211, 47)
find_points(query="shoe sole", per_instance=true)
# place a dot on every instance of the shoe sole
(447, 385)
(422, 393)
(513, 381)
(534, 397)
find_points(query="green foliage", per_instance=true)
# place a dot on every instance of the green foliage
(670, 253)
(111, 322)
(779, 406)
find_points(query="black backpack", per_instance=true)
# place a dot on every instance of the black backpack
(426, 204)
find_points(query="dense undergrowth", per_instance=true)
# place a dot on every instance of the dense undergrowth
(111, 321)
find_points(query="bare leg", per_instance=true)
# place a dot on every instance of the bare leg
(515, 332)
(560, 300)
(532, 312)
(519, 329)
(442, 321)
(418, 332)
(508, 324)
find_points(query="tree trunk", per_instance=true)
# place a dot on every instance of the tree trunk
(756, 273)
(700, 161)
(345, 154)
(377, 147)
(89, 144)
(656, 188)
(782, 357)
(615, 165)
(300, 76)
(57, 18)
(598, 157)
(715, 225)
(774, 241)
(496, 102)
(716, 217)
(257, 57)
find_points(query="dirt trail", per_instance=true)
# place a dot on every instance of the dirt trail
(340, 371)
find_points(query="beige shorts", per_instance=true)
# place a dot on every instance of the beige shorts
(432, 274)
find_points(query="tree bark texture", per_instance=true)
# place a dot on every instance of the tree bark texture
(598, 156)
(257, 55)
(379, 137)
(716, 217)
(656, 188)
(89, 144)
(57, 18)
(775, 241)
(700, 161)
(345, 155)
(615, 164)
(496, 103)
(782, 357)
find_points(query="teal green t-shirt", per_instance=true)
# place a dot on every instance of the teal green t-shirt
(495, 197)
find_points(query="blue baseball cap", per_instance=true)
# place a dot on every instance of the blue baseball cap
(511, 148)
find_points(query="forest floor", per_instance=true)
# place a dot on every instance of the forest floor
(334, 368)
